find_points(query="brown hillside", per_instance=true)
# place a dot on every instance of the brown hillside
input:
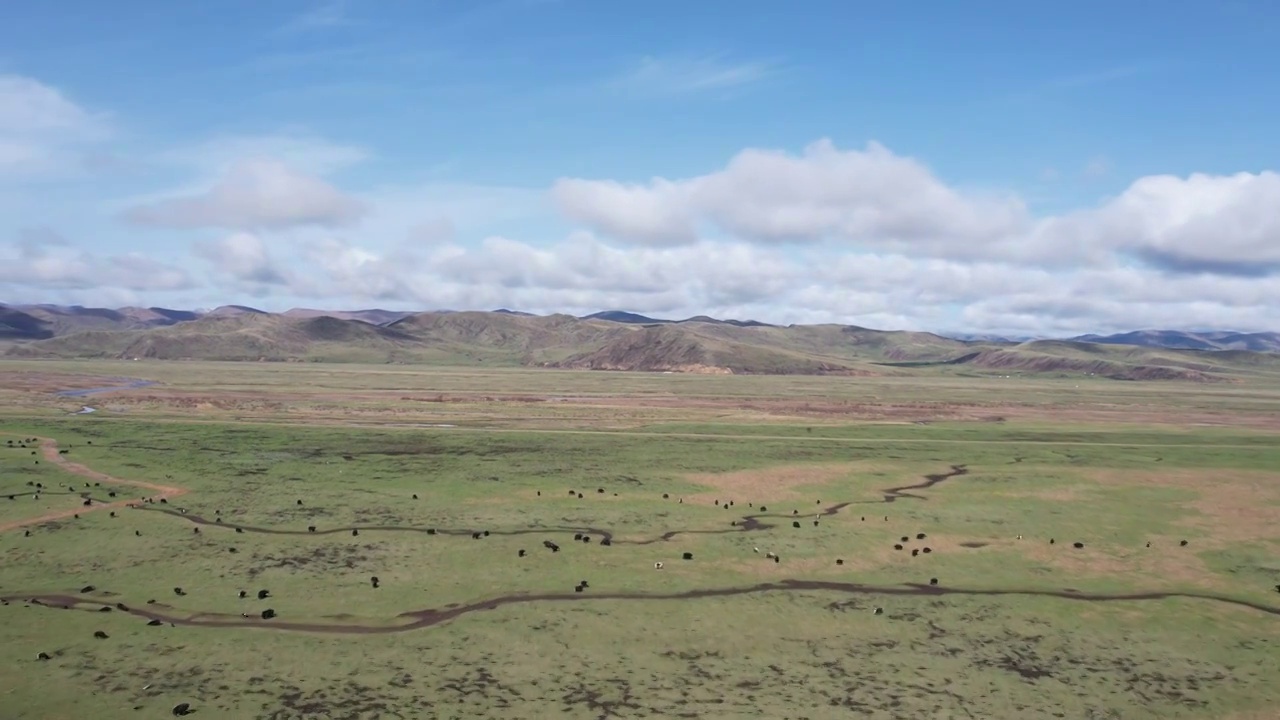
(504, 339)
(509, 331)
(662, 348)
(1024, 362)
(702, 349)
(261, 336)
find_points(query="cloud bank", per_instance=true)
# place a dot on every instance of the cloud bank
(863, 235)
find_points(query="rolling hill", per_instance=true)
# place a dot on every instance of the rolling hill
(242, 336)
(18, 325)
(37, 322)
(631, 318)
(373, 317)
(695, 345)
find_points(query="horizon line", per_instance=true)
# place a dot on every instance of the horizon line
(953, 334)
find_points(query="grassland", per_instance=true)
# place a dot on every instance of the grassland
(989, 469)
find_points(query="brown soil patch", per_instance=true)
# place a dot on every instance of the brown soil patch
(50, 453)
(1142, 417)
(1234, 505)
(51, 382)
(1161, 563)
(847, 410)
(1144, 411)
(778, 483)
(1165, 561)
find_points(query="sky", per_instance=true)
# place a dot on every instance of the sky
(988, 166)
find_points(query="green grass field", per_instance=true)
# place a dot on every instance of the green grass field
(1131, 625)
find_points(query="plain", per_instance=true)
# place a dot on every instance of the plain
(788, 493)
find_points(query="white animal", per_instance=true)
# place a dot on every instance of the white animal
(657, 566)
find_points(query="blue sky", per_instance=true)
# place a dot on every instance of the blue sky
(987, 166)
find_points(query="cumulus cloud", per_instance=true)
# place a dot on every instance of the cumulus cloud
(583, 274)
(359, 272)
(874, 200)
(42, 131)
(432, 231)
(242, 257)
(870, 197)
(256, 194)
(864, 236)
(1202, 223)
(29, 106)
(42, 259)
(659, 213)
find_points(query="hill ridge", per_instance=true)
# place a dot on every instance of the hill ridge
(140, 317)
(506, 338)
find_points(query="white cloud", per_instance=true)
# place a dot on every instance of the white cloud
(42, 132)
(1203, 223)
(864, 236)
(43, 260)
(583, 274)
(31, 107)
(1204, 220)
(685, 74)
(655, 214)
(432, 231)
(870, 197)
(876, 201)
(243, 257)
(257, 194)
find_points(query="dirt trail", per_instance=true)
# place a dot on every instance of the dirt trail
(49, 448)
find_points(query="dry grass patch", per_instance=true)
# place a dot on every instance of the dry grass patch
(51, 382)
(784, 482)
(1164, 562)
(1155, 415)
(1234, 505)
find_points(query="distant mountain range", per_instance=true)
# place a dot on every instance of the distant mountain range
(612, 340)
